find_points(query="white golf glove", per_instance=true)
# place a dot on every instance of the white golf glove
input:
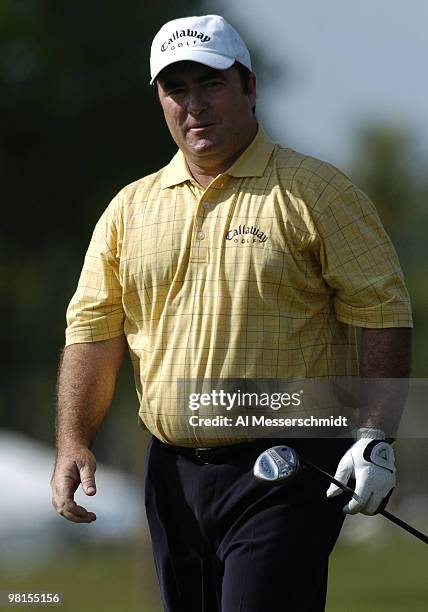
(372, 465)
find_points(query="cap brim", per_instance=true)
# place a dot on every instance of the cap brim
(207, 58)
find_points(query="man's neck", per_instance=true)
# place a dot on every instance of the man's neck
(204, 173)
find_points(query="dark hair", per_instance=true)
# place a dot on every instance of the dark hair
(244, 74)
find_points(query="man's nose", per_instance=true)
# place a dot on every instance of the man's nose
(196, 102)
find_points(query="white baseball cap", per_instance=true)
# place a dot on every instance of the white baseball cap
(208, 40)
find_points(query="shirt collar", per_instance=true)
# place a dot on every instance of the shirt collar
(254, 159)
(176, 172)
(252, 162)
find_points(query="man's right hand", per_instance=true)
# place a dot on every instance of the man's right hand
(73, 466)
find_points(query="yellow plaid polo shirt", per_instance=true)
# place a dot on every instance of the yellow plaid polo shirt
(260, 275)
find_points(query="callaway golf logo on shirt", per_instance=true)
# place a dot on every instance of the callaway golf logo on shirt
(199, 37)
(247, 234)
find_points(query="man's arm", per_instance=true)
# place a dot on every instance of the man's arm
(86, 383)
(385, 355)
(385, 366)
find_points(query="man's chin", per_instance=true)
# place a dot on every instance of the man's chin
(203, 146)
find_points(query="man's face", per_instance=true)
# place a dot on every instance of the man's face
(207, 111)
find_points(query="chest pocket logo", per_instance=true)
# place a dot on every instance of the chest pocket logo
(247, 234)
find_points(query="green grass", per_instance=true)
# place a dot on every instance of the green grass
(95, 580)
(390, 578)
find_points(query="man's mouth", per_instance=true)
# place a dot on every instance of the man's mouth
(200, 127)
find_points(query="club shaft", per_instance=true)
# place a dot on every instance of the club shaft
(342, 486)
(404, 525)
(391, 517)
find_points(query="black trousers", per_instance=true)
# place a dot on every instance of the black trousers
(223, 541)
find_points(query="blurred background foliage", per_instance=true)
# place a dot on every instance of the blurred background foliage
(78, 121)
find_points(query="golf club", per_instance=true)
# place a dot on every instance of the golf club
(279, 464)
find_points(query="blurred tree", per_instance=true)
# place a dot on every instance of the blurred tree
(391, 169)
(78, 122)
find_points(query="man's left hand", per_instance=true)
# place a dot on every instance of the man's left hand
(372, 464)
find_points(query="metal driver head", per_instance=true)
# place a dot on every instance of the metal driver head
(276, 464)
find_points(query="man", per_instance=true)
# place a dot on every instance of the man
(239, 259)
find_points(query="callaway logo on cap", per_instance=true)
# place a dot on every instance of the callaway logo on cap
(208, 40)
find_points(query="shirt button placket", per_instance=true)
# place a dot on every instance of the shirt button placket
(199, 247)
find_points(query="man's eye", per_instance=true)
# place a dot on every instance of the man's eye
(213, 83)
(177, 91)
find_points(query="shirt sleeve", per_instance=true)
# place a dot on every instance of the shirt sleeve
(360, 263)
(95, 312)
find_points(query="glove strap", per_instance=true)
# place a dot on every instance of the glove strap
(370, 432)
(380, 454)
